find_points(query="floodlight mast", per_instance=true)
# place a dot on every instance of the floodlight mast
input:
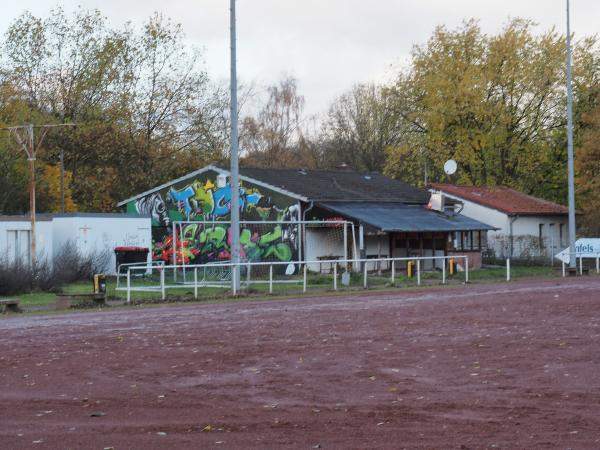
(234, 167)
(572, 252)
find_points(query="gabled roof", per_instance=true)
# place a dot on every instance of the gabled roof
(318, 185)
(201, 171)
(339, 185)
(504, 199)
(48, 217)
(399, 217)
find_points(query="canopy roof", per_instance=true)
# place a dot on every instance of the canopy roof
(399, 217)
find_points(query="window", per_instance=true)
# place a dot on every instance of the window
(541, 235)
(561, 234)
(467, 242)
(18, 245)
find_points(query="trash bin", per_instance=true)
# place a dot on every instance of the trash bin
(127, 255)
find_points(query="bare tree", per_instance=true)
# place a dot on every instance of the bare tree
(359, 126)
(276, 136)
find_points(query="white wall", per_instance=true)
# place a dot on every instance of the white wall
(43, 233)
(102, 234)
(323, 241)
(526, 241)
(93, 233)
(372, 250)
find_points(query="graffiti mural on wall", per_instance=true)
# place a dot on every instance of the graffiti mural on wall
(197, 244)
(155, 206)
(203, 200)
(198, 201)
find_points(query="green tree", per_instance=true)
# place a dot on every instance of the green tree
(587, 165)
(145, 109)
(493, 103)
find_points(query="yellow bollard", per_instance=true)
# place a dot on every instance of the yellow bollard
(451, 266)
(409, 269)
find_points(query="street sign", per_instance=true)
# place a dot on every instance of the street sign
(584, 248)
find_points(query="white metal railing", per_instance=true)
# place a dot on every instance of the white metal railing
(138, 265)
(564, 265)
(301, 226)
(162, 287)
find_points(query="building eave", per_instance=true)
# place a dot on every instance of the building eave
(169, 183)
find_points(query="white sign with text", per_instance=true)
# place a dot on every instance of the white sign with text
(584, 248)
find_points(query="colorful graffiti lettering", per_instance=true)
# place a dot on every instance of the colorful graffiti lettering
(208, 202)
(204, 204)
(197, 245)
(182, 199)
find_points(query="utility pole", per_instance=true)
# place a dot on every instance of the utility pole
(24, 135)
(572, 253)
(234, 168)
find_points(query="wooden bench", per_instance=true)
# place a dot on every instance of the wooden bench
(66, 301)
(10, 305)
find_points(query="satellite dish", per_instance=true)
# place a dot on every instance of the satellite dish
(450, 167)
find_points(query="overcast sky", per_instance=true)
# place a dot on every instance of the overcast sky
(328, 45)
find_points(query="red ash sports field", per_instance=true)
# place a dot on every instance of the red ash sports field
(511, 365)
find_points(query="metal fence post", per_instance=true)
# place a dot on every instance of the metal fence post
(345, 246)
(174, 261)
(365, 284)
(248, 270)
(581, 266)
(128, 285)
(444, 271)
(418, 272)
(162, 284)
(564, 270)
(304, 280)
(597, 265)
(196, 283)
(335, 276)
(233, 275)
(466, 269)
(507, 269)
(393, 271)
(270, 279)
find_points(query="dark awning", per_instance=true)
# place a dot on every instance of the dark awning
(398, 217)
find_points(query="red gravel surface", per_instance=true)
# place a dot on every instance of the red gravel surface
(483, 366)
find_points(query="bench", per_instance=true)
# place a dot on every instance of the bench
(327, 260)
(10, 305)
(574, 271)
(66, 301)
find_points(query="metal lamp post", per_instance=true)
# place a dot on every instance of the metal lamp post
(572, 253)
(234, 167)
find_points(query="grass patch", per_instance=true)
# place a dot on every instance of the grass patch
(497, 273)
(317, 283)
